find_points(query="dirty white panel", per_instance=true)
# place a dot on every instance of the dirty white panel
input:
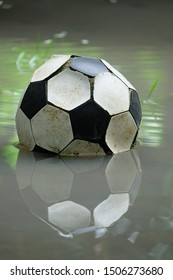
(68, 89)
(24, 131)
(52, 180)
(81, 147)
(111, 209)
(118, 74)
(69, 215)
(52, 129)
(111, 93)
(121, 132)
(49, 67)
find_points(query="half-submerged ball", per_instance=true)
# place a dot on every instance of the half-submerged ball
(77, 105)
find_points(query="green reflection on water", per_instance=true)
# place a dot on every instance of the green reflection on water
(152, 73)
(10, 154)
(151, 131)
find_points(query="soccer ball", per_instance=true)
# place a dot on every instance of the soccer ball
(79, 194)
(78, 105)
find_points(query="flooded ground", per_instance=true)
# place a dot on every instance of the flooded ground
(117, 207)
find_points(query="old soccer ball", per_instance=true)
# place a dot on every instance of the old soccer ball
(78, 105)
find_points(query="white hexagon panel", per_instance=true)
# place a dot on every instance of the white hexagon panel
(52, 129)
(78, 105)
(68, 89)
(121, 132)
(49, 67)
(110, 91)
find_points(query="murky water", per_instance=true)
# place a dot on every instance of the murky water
(113, 207)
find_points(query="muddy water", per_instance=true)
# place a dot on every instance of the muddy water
(114, 207)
